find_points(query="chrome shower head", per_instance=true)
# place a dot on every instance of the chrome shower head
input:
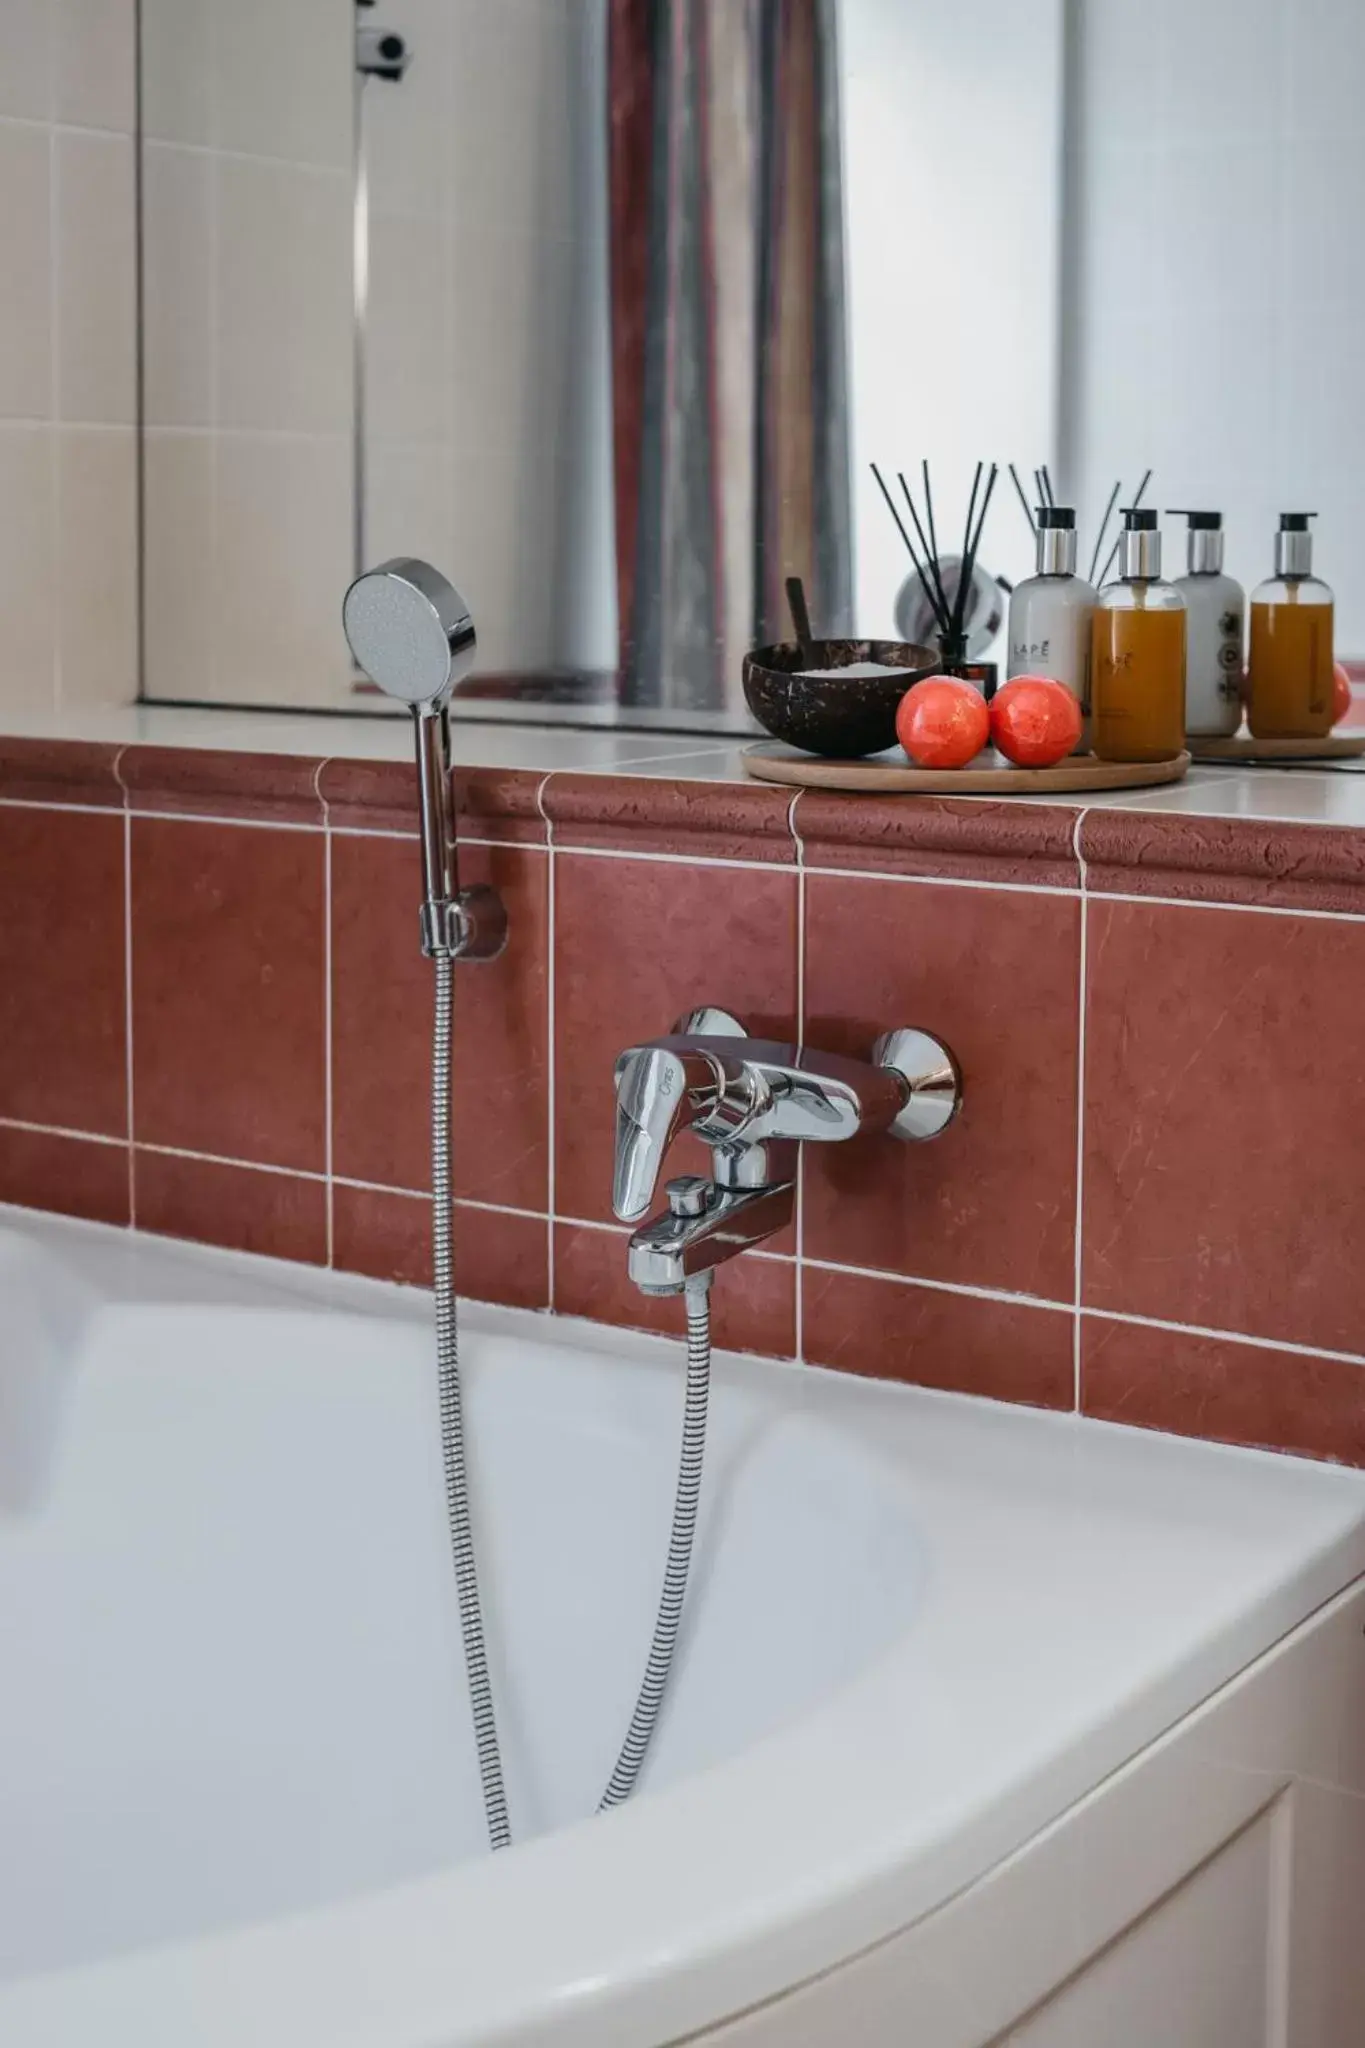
(409, 630)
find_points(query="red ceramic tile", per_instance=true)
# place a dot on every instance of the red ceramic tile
(1224, 860)
(229, 990)
(381, 796)
(388, 1236)
(638, 944)
(893, 1330)
(753, 1301)
(647, 814)
(202, 782)
(995, 974)
(279, 1215)
(62, 1043)
(381, 1028)
(74, 1176)
(1224, 1053)
(1216, 1388)
(60, 772)
(951, 838)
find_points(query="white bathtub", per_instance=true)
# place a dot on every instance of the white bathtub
(932, 1648)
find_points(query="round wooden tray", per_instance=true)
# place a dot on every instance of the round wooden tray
(1240, 746)
(989, 775)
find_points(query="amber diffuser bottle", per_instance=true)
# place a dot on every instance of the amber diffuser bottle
(1137, 672)
(1289, 669)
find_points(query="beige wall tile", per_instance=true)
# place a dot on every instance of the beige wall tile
(96, 565)
(283, 77)
(177, 70)
(25, 272)
(178, 339)
(283, 510)
(27, 523)
(407, 132)
(408, 336)
(408, 508)
(96, 61)
(26, 69)
(96, 279)
(178, 638)
(284, 297)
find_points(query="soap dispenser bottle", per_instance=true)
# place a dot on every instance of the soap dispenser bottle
(1215, 624)
(1051, 612)
(1137, 668)
(1289, 670)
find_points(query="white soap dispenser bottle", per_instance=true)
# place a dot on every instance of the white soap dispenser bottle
(1050, 614)
(1215, 626)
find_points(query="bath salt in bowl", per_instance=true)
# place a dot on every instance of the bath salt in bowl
(843, 704)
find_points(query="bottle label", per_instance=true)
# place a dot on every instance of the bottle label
(1230, 655)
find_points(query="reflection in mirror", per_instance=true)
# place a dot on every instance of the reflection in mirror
(607, 308)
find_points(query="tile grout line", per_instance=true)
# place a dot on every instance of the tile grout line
(551, 879)
(327, 991)
(799, 1319)
(1083, 997)
(129, 1104)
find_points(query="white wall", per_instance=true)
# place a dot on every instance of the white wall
(68, 402)
(952, 112)
(1219, 175)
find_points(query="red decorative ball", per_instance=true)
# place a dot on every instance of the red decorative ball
(943, 722)
(1035, 721)
(1341, 692)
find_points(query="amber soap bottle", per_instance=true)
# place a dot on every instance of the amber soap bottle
(1289, 670)
(1137, 669)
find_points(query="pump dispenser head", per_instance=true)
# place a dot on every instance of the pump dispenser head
(1139, 545)
(1203, 542)
(1056, 540)
(1294, 545)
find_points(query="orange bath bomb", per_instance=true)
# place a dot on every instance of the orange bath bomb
(942, 722)
(1341, 692)
(1035, 721)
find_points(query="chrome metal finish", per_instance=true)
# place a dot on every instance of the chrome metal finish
(1294, 545)
(932, 1077)
(753, 1101)
(1139, 554)
(1056, 551)
(709, 1023)
(411, 633)
(984, 613)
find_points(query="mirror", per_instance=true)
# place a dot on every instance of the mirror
(606, 308)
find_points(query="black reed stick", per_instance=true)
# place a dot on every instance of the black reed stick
(929, 505)
(1047, 486)
(1104, 526)
(910, 549)
(796, 604)
(930, 553)
(968, 569)
(1023, 500)
(1137, 500)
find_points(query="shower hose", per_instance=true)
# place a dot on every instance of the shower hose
(664, 1640)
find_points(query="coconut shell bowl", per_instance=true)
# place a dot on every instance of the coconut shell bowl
(839, 717)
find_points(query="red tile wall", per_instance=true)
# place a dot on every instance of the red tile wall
(215, 1023)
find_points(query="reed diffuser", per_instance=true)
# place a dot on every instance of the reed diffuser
(947, 583)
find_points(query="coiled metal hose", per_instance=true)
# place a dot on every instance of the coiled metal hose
(452, 1423)
(665, 1640)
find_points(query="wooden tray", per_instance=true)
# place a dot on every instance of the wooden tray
(1333, 746)
(989, 775)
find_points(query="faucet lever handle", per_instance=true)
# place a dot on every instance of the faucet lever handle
(652, 1083)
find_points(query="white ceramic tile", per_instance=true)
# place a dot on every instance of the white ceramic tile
(96, 278)
(283, 297)
(26, 72)
(27, 524)
(409, 368)
(177, 70)
(407, 130)
(408, 502)
(96, 565)
(283, 77)
(178, 341)
(178, 649)
(510, 344)
(283, 510)
(510, 129)
(25, 269)
(96, 63)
